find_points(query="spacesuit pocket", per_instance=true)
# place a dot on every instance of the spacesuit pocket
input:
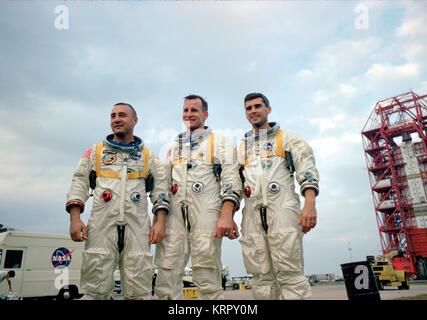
(170, 250)
(136, 264)
(203, 251)
(255, 254)
(137, 267)
(97, 271)
(286, 249)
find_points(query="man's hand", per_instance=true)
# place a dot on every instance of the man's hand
(309, 214)
(226, 226)
(77, 227)
(158, 230)
(235, 233)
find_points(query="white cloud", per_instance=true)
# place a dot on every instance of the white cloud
(411, 35)
(305, 75)
(415, 51)
(333, 70)
(7, 136)
(328, 147)
(327, 122)
(331, 147)
(421, 88)
(346, 57)
(381, 72)
(348, 90)
(251, 66)
(320, 97)
(352, 138)
(341, 150)
(385, 79)
(413, 26)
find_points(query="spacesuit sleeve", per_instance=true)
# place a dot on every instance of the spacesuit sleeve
(231, 185)
(79, 190)
(168, 164)
(240, 150)
(159, 196)
(305, 164)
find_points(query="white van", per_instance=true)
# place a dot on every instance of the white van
(45, 265)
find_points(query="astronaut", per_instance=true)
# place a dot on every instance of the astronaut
(205, 193)
(121, 172)
(273, 224)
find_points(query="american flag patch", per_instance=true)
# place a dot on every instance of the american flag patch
(87, 153)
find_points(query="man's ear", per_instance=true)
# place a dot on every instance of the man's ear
(206, 114)
(269, 109)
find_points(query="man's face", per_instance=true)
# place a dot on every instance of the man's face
(123, 120)
(257, 112)
(193, 115)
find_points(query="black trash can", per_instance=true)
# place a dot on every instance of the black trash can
(360, 281)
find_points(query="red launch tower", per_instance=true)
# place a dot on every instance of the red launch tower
(395, 144)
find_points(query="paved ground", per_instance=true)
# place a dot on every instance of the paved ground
(328, 291)
(337, 292)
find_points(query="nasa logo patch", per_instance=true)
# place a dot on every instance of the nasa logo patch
(61, 258)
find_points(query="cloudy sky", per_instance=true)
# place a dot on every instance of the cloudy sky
(323, 66)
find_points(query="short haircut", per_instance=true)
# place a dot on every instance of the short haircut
(194, 97)
(255, 95)
(128, 105)
(11, 273)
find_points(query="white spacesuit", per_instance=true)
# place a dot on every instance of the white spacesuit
(198, 189)
(119, 227)
(271, 235)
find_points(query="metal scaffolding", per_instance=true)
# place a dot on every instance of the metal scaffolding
(395, 144)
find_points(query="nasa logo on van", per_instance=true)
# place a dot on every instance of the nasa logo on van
(61, 258)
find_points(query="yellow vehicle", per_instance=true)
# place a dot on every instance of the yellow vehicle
(241, 282)
(386, 275)
(190, 293)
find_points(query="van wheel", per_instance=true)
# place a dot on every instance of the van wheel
(65, 294)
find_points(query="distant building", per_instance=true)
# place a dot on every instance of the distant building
(323, 277)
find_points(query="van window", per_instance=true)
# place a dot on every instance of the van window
(13, 259)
